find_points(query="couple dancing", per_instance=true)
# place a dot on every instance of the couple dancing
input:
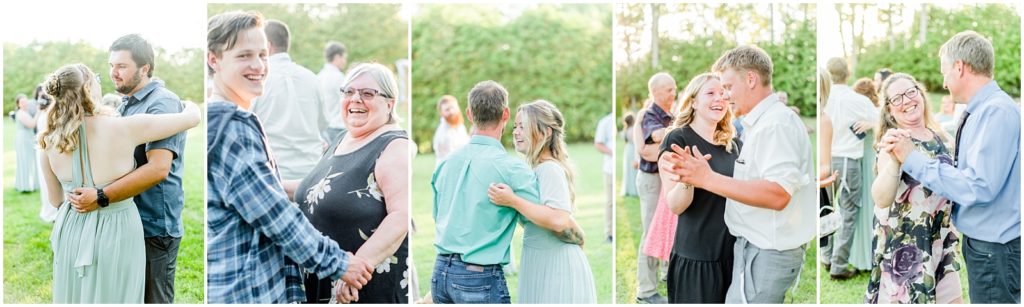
(481, 193)
(745, 205)
(116, 235)
(929, 187)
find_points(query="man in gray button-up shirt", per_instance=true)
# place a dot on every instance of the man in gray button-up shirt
(156, 182)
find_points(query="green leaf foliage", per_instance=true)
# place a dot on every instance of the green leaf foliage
(559, 53)
(370, 32)
(998, 22)
(793, 52)
(27, 66)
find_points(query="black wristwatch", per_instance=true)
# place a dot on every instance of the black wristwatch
(102, 198)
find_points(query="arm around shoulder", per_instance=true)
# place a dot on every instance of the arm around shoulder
(144, 128)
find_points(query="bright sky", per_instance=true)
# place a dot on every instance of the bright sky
(172, 25)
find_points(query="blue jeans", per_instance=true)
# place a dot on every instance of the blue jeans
(457, 282)
(993, 270)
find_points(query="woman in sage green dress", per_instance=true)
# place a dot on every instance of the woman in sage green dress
(554, 269)
(98, 252)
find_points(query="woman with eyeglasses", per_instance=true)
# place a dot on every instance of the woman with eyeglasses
(915, 242)
(358, 192)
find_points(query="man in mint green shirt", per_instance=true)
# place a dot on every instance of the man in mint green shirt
(474, 236)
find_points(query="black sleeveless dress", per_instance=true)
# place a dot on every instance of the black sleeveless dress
(341, 198)
(700, 266)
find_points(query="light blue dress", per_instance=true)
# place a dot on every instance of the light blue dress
(628, 172)
(99, 256)
(552, 271)
(862, 249)
(26, 177)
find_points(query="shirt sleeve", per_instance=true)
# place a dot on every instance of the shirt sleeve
(522, 180)
(673, 137)
(256, 194)
(648, 126)
(780, 161)
(601, 134)
(554, 187)
(986, 163)
(167, 105)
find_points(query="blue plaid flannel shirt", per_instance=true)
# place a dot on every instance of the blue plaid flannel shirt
(257, 239)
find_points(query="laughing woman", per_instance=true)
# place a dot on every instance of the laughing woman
(915, 242)
(700, 266)
(553, 271)
(358, 194)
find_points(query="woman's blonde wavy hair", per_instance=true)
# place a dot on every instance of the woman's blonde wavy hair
(544, 128)
(724, 130)
(71, 89)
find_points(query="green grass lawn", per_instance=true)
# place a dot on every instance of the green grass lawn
(627, 241)
(27, 256)
(590, 214)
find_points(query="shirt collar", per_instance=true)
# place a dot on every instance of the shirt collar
(145, 91)
(760, 109)
(981, 97)
(279, 57)
(485, 140)
(331, 67)
(661, 113)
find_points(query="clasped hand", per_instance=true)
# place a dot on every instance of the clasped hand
(356, 276)
(686, 165)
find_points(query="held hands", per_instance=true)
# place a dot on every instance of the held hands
(358, 273)
(501, 194)
(897, 143)
(345, 293)
(83, 199)
(688, 166)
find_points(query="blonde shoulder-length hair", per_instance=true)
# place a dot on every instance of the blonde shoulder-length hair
(724, 130)
(544, 129)
(72, 92)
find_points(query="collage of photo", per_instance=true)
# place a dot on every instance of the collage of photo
(511, 153)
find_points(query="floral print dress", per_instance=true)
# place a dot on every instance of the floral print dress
(915, 257)
(341, 198)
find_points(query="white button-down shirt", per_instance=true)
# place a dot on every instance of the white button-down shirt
(331, 81)
(775, 148)
(605, 134)
(291, 111)
(846, 107)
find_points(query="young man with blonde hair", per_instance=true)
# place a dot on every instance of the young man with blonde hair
(771, 196)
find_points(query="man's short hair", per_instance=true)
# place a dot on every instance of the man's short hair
(747, 58)
(278, 35)
(838, 69)
(141, 50)
(222, 30)
(334, 49)
(973, 50)
(487, 102)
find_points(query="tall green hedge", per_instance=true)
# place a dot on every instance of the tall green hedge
(26, 66)
(793, 57)
(998, 22)
(560, 53)
(371, 32)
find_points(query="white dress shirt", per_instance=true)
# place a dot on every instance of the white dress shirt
(448, 139)
(291, 111)
(331, 81)
(846, 108)
(775, 148)
(605, 134)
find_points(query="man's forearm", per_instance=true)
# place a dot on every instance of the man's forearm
(134, 183)
(757, 193)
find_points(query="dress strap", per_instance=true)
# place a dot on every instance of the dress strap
(85, 169)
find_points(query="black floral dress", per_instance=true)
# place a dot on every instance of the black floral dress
(341, 198)
(915, 243)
